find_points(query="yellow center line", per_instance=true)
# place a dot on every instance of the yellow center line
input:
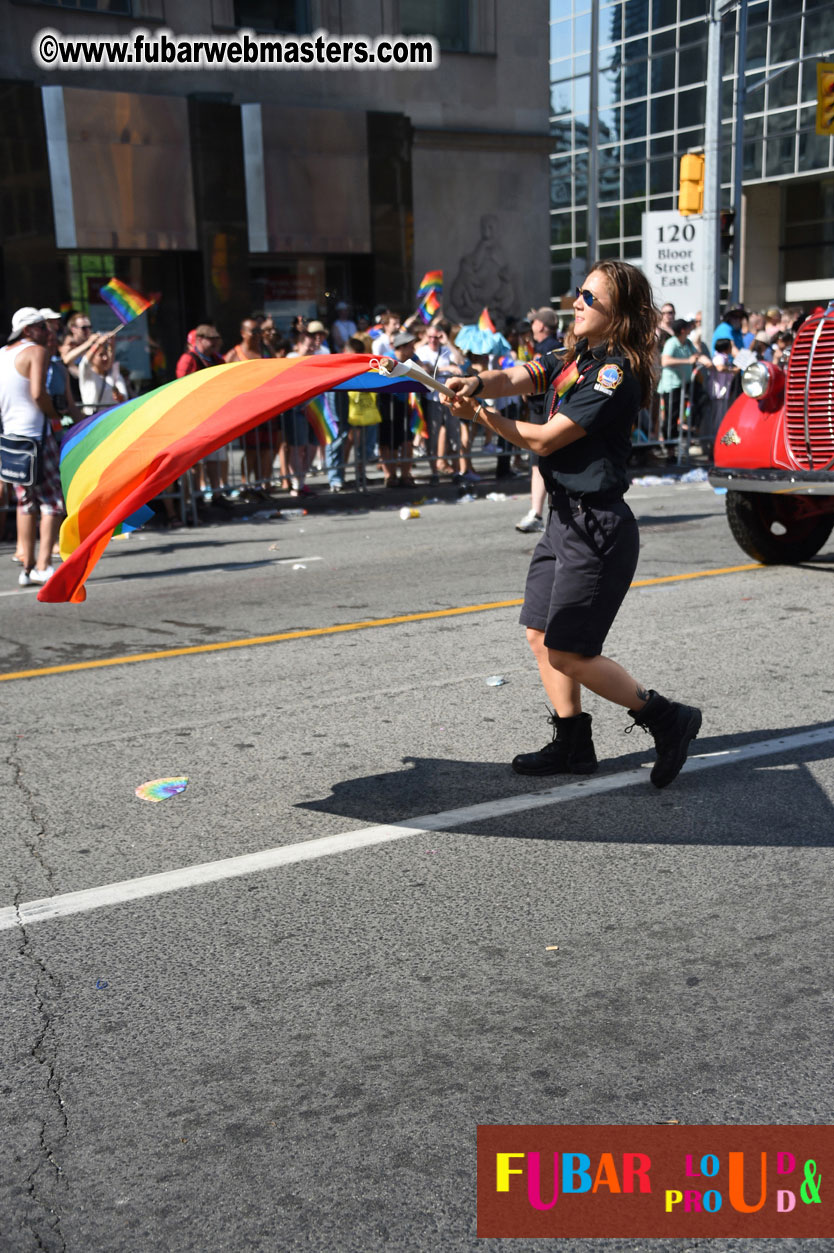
(310, 632)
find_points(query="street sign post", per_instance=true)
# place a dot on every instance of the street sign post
(673, 259)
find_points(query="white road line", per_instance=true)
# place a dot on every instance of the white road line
(232, 867)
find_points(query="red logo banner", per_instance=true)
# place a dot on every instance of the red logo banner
(745, 1182)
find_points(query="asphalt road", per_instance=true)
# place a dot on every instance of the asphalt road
(297, 1057)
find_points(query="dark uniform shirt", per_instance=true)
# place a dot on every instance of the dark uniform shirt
(605, 401)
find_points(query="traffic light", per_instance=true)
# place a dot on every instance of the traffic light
(691, 191)
(727, 218)
(825, 97)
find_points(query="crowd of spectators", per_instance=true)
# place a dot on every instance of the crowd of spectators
(384, 433)
(699, 380)
(390, 436)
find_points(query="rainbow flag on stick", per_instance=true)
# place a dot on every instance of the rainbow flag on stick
(485, 322)
(116, 461)
(429, 295)
(126, 303)
(419, 426)
(322, 418)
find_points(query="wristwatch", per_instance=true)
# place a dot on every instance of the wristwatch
(479, 387)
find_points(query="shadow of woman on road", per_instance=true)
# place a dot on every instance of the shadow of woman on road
(752, 788)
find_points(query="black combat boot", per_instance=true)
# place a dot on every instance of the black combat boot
(672, 726)
(571, 751)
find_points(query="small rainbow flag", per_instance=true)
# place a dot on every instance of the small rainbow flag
(429, 295)
(322, 418)
(159, 362)
(419, 426)
(485, 322)
(126, 303)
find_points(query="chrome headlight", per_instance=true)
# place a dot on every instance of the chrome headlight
(755, 380)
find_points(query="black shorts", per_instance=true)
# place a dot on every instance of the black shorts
(394, 429)
(581, 570)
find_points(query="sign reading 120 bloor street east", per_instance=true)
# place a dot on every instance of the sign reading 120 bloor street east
(673, 248)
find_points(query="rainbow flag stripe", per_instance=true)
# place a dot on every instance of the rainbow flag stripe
(538, 374)
(566, 379)
(419, 425)
(126, 303)
(429, 295)
(115, 462)
(429, 307)
(432, 280)
(322, 418)
(485, 322)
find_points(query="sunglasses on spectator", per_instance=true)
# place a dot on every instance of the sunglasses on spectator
(83, 326)
(589, 298)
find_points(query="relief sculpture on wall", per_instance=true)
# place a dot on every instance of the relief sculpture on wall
(484, 278)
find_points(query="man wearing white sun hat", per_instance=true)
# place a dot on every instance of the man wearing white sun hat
(27, 410)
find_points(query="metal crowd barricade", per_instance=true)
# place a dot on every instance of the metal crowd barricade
(668, 425)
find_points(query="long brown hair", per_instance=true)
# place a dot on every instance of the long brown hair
(634, 319)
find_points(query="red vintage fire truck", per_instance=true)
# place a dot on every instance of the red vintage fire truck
(774, 451)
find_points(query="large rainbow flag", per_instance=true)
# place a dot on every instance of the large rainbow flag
(115, 462)
(429, 295)
(126, 303)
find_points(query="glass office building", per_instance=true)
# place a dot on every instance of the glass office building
(651, 96)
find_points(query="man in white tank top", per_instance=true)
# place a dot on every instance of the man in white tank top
(24, 404)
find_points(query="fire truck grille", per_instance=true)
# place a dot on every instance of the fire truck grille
(813, 448)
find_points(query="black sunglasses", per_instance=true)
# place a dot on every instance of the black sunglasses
(589, 298)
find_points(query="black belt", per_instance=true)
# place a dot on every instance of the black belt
(584, 500)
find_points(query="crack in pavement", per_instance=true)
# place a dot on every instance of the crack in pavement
(42, 1190)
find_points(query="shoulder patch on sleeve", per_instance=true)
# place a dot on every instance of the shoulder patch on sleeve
(609, 378)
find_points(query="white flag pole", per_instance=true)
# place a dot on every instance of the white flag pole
(407, 369)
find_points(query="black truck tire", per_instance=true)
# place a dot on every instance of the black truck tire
(751, 516)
